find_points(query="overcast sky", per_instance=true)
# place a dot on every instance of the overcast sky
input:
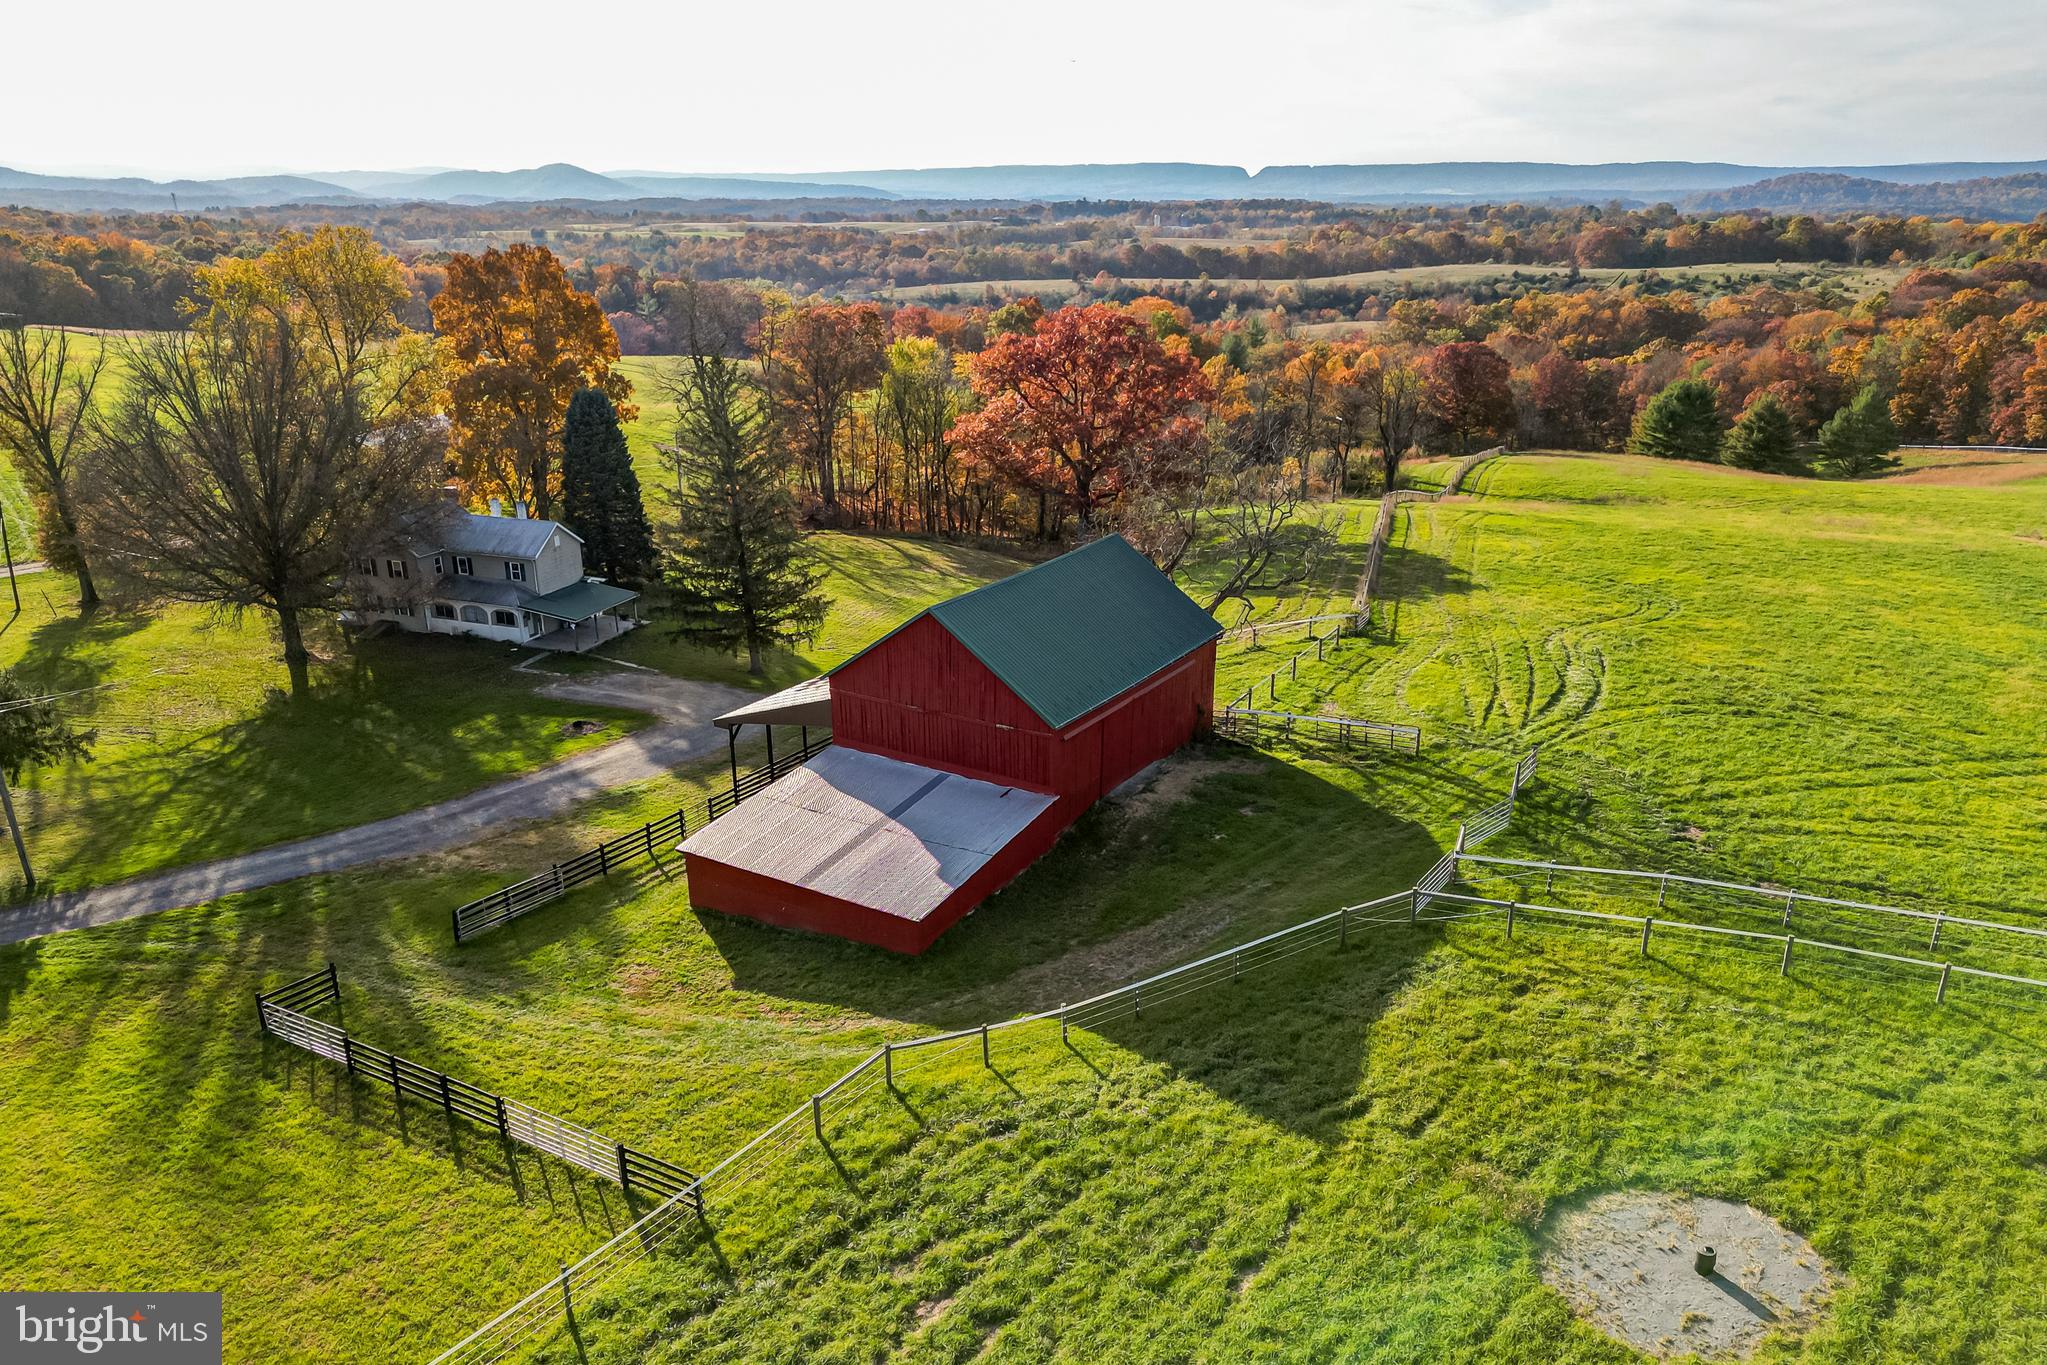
(225, 86)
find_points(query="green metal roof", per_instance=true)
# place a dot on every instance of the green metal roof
(579, 601)
(1073, 632)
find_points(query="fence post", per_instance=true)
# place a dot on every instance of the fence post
(1062, 1022)
(1662, 885)
(603, 860)
(1788, 900)
(504, 1126)
(1784, 967)
(817, 1116)
(625, 1181)
(447, 1099)
(1549, 881)
(1293, 669)
(1940, 996)
(1938, 920)
(1342, 928)
(1137, 1002)
(1414, 905)
(456, 916)
(984, 1047)
(1647, 921)
(888, 1065)
(397, 1090)
(648, 830)
(262, 1016)
(348, 1055)
(1510, 918)
(568, 1303)
(559, 889)
(334, 991)
(1236, 965)
(1460, 838)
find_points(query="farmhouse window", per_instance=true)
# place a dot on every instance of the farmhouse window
(395, 567)
(504, 618)
(464, 566)
(438, 570)
(444, 611)
(474, 616)
(515, 569)
(402, 608)
(367, 566)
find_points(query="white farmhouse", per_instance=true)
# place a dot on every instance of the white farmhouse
(513, 578)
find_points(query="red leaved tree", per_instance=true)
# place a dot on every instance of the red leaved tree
(1066, 405)
(1469, 392)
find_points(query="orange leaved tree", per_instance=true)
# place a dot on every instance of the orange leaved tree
(524, 341)
(1067, 404)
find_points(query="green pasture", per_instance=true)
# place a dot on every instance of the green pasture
(1349, 1157)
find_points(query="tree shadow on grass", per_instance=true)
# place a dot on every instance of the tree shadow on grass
(1253, 845)
(350, 752)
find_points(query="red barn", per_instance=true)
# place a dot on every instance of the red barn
(964, 743)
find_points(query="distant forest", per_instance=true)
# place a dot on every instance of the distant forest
(135, 270)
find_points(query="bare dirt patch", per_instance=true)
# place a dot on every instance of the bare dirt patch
(1625, 1262)
(584, 727)
(1172, 780)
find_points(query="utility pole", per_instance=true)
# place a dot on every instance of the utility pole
(14, 828)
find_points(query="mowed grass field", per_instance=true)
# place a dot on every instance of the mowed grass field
(1349, 1157)
(199, 754)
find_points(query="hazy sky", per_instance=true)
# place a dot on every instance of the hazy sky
(222, 86)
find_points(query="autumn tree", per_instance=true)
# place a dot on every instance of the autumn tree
(1680, 423)
(1470, 394)
(1763, 437)
(47, 405)
(524, 342)
(255, 458)
(815, 359)
(1395, 394)
(1087, 390)
(919, 399)
(601, 498)
(741, 574)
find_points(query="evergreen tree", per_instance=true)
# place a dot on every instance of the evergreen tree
(1681, 423)
(1763, 438)
(741, 573)
(601, 493)
(1859, 439)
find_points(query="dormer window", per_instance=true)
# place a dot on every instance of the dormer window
(515, 569)
(395, 567)
(464, 566)
(438, 569)
(367, 567)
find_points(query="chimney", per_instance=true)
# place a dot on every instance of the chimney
(497, 507)
(521, 509)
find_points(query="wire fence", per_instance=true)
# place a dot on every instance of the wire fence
(552, 1305)
(625, 852)
(1347, 732)
(1382, 529)
(285, 1014)
(1939, 936)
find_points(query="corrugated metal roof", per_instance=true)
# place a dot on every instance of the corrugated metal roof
(806, 703)
(1073, 632)
(878, 832)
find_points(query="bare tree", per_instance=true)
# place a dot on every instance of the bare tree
(1260, 541)
(254, 460)
(46, 411)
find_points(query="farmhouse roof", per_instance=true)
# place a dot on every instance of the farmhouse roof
(474, 533)
(1072, 633)
(580, 601)
(496, 592)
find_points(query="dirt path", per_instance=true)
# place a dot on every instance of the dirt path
(685, 733)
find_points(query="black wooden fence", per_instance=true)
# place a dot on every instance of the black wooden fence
(621, 853)
(285, 1014)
